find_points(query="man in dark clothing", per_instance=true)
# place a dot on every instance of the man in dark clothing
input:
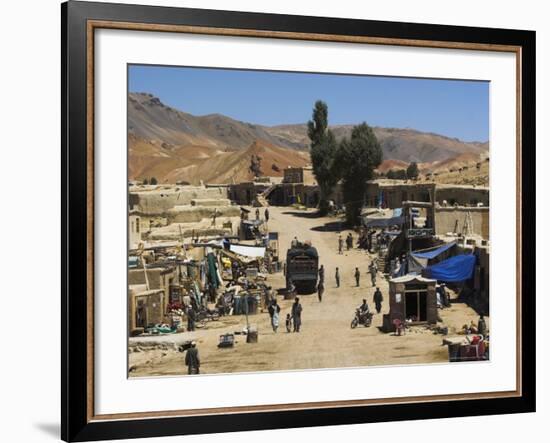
(444, 296)
(192, 360)
(257, 214)
(337, 277)
(322, 274)
(349, 241)
(357, 277)
(377, 299)
(297, 314)
(191, 317)
(340, 244)
(320, 290)
(364, 308)
(481, 326)
(266, 215)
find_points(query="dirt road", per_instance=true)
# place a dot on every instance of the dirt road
(326, 339)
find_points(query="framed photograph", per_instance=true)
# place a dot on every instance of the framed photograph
(277, 221)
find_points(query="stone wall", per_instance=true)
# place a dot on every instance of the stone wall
(187, 214)
(157, 200)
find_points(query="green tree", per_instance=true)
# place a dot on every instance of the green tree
(357, 159)
(401, 174)
(412, 171)
(323, 153)
(153, 181)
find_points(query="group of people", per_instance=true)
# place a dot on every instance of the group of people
(377, 299)
(373, 270)
(349, 243)
(266, 214)
(293, 320)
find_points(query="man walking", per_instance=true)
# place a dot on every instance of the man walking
(377, 299)
(357, 277)
(322, 274)
(320, 290)
(337, 277)
(257, 213)
(482, 326)
(372, 270)
(266, 215)
(192, 359)
(340, 244)
(297, 314)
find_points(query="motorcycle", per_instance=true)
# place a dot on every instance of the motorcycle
(361, 319)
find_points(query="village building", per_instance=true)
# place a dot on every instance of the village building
(246, 193)
(391, 193)
(145, 307)
(412, 299)
(158, 278)
(172, 212)
(302, 175)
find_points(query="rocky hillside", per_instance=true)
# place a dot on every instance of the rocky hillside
(172, 145)
(193, 164)
(150, 119)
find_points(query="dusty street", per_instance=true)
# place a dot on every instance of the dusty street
(326, 339)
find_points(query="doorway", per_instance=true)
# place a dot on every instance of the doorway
(416, 306)
(141, 314)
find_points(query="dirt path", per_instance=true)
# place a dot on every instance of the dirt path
(326, 339)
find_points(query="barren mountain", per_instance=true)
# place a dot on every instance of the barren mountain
(407, 145)
(194, 164)
(172, 145)
(150, 119)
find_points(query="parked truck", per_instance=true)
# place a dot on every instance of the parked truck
(302, 267)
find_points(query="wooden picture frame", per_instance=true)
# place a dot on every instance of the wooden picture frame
(79, 22)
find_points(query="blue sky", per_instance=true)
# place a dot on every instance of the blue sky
(453, 108)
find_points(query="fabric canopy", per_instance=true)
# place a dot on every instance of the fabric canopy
(454, 269)
(379, 222)
(247, 251)
(416, 265)
(434, 252)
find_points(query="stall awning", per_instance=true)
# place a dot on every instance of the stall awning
(379, 222)
(247, 251)
(434, 252)
(455, 269)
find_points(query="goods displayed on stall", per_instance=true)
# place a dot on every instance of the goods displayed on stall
(212, 278)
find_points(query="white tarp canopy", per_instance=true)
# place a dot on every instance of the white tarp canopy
(248, 251)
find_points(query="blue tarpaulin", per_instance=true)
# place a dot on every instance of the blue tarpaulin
(434, 252)
(454, 269)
